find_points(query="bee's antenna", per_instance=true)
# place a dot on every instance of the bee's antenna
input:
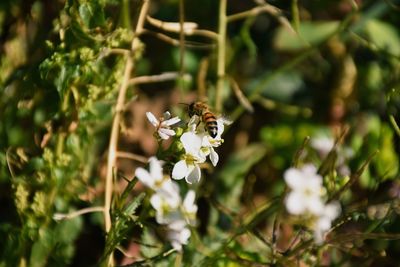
(186, 104)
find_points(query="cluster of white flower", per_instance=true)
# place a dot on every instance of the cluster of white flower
(173, 212)
(196, 141)
(198, 144)
(306, 197)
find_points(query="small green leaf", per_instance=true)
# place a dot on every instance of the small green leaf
(92, 14)
(384, 36)
(132, 206)
(310, 33)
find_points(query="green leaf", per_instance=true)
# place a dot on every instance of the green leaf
(384, 36)
(92, 14)
(134, 204)
(309, 34)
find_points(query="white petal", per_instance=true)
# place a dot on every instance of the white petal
(177, 225)
(156, 169)
(156, 201)
(313, 183)
(324, 224)
(214, 157)
(172, 121)
(194, 176)
(314, 204)
(152, 119)
(309, 170)
(163, 135)
(145, 177)
(167, 132)
(189, 202)
(179, 238)
(295, 204)
(332, 210)
(205, 142)
(170, 192)
(221, 127)
(180, 170)
(322, 144)
(293, 178)
(318, 236)
(191, 142)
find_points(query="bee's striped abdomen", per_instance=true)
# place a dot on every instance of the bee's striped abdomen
(211, 123)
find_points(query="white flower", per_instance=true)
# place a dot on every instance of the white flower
(189, 207)
(188, 167)
(163, 125)
(166, 196)
(322, 144)
(154, 178)
(306, 190)
(324, 221)
(166, 205)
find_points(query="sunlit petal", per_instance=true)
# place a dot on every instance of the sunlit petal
(156, 169)
(145, 177)
(152, 119)
(180, 170)
(294, 203)
(167, 132)
(191, 142)
(214, 157)
(171, 121)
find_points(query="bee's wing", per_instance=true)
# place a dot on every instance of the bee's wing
(225, 120)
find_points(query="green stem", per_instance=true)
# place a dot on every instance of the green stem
(296, 16)
(221, 55)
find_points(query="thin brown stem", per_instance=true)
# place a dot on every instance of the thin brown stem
(175, 42)
(186, 28)
(127, 155)
(112, 147)
(181, 43)
(163, 77)
(61, 216)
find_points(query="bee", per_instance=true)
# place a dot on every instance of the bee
(207, 117)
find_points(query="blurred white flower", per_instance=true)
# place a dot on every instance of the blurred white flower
(178, 235)
(188, 167)
(171, 211)
(154, 178)
(322, 144)
(177, 216)
(189, 207)
(163, 126)
(324, 221)
(306, 190)
(166, 204)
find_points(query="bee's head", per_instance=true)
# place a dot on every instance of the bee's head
(191, 109)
